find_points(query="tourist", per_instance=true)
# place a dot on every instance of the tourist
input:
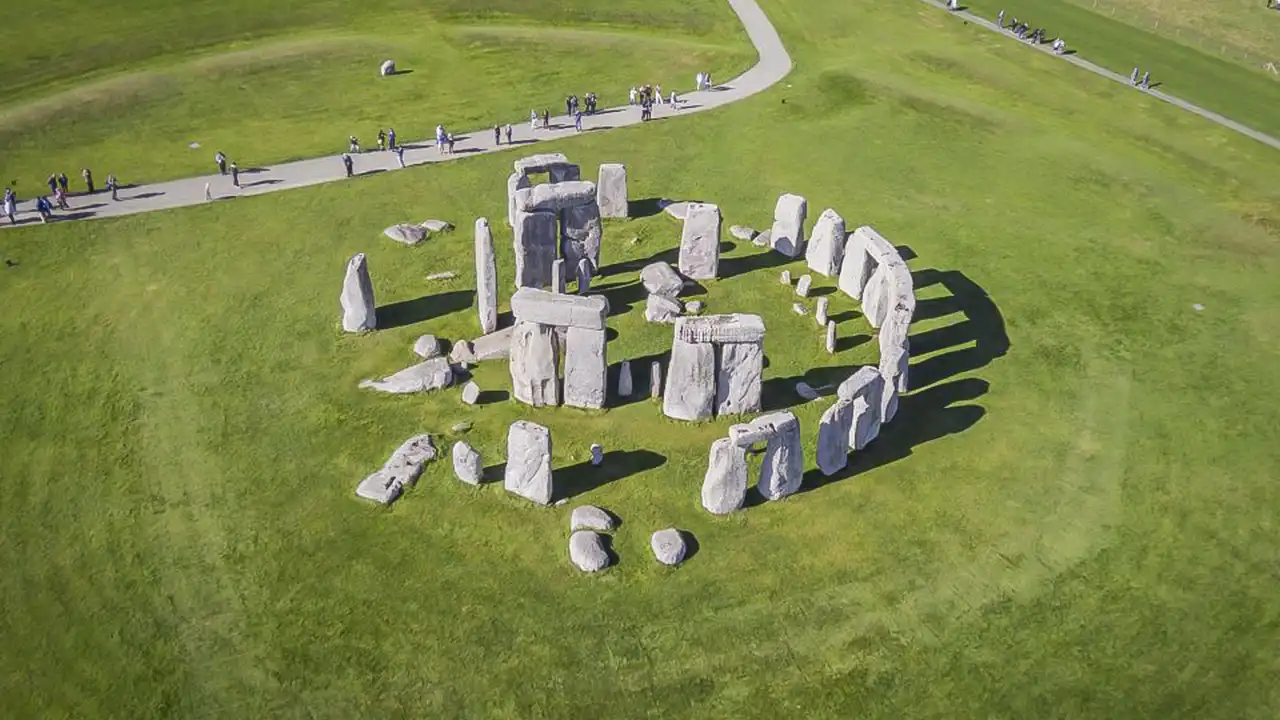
(346, 163)
(391, 138)
(52, 182)
(63, 182)
(1133, 77)
(88, 179)
(450, 138)
(533, 120)
(508, 133)
(631, 96)
(113, 185)
(1145, 83)
(1000, 19)
(11, 206)
(353, 145)
(952, 5)
(382, 139)
(546, 119)
(221, 161)
(568, 105)
(674, 100)
(577, 122)
(497, 135)
(399, 151)
(60, 199)
(235, 175)
(43, 207)
(208, 193)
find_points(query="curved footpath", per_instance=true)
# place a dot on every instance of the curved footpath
(773, 65)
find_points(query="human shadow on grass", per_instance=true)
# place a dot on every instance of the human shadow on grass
(269, 181)
(584, 477)
(145, 195)
(408, 312)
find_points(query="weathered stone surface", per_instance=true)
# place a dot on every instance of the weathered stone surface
(661, 279)
(587, 552)
(694, 307)
(806, 391)
(460, 427)
(895, 330)
(668, 546)
(803, 285)
(784, 277)
(724, 487)
(358, 310)
(590, 517)
(782, 469)
(427, 347)
(597, 455)
(833, 437)
(406, 234)
(878, 296)
(431, 374)
(820, 314)
(585, 368)
(528, 472)
(558, 281)
(515, 182)
(738, 377)
(727, 328)
(875, 244)
(564, 172)
(540, 163)
(486, 278)
(536, 236)
(445, 275)
(799, 309)
(691, 381)
(864, 251)
(742, 232)
(676, 209)
(495, 345)
(401, 470)
(700, 242)
(586, 312)
(865, 388)
(534, 362)
(461, 352)
(762, 239)
(468, 466)
(581, 235)
(624, 379)
(584, 276)
(830, 343)
(662, 309)
(655, 379)
(470, 392)
(787, 234)
(437, 226)
(746, 435)
(611, 190)
(825, 250)
(893, 368)
(554, 197)
(387, 68)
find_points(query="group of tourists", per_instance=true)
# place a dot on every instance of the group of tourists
(498, 132)
(572, 105)
(220, 159)
(1144, 82)
(60, 190)
(646, 96)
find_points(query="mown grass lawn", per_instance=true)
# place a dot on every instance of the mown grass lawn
(1073, 515)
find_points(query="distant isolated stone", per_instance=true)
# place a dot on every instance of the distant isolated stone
(590, 517)
(427, 347)
(586, 551)
(742, 232)
(446, 275)
(803, 284)
(597, 455)
(661, 309)
(581, 235)
(724, 488)
(432, 374)
(468, 466)
(787, 234)
(528, 472)
(660, 279)
(668, 546)
(406, 234)
(358, 310)
(388, 67)
(611, 190)
(624, 379)
(825, 250)
(470, 393)
(436, 226)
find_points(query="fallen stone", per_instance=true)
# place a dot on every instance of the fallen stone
(830, 343)
(725, 328)
(585, 368)
(662, 309)
(406, 234)
(495, 345)
(597, 455)
(820, 314)
(611, 190)
(470, 393)
(803, 285)
(590, 517)
(624, 379)
(691, 381)
(833, 437)
(694, 307)
(724, 488)
(427, 347)
(358, 310)
(554, 197)
(446, 275)
(799, 309)
(486, 277)
(588, 312)
(738, 378)
(581, 235)
(468, 466)
(825, 250)
(865, 388)
(700, 242)
(462, 352)
(435, 226)
(742, 232)
(782, 468)
(668, 546)
(806, 391)
(660, 279)
(432, 374)
(533, 362)
(587, 552)
(461, 427)
(677, 210)
(536, 247)
(528, 472)
(762, 239)
(787, 234)
(401, 470)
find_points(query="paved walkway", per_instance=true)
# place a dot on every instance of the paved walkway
(1099, 70)
(774, 63)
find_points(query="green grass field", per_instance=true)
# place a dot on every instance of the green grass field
(1073, 515)
(1242, 30)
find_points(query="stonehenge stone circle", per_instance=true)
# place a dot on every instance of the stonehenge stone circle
(468, 466)
(611, 191)
(668, 546)
(540, 316)
(803, 285)
(825, 250)
(406, 234)
(716, 366)
(590, 517)
(432, 374)
(486, 278)
(662, 309)
(782, 468)
(787, 234)
(427, 347)
(528, 472)
(724, 488)
(700, 242)
(586, 551)
(359, 313)
(536, 242)
(534, 363)
(660, 279)
(402, 469)
(762, 238)
(624, 379)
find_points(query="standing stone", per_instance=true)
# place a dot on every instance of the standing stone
(782, 469)
(865, 389)
(659, 279)
(864, 250)
(833, 437)
(528, 472)
(624, 379)
(533, 364)
(787, 234)
(724, 488)
(585, 368)
(470, 392)
(581, 234)
(831, 337)
(611, 190)
(557, 276)
(535, 248)
(358, 310)
(691, 381)
(893, 368)
(668, 546)
(820, 315)
(700, 242)
(516, 182)
(486, 278)
(584, 276)
(661, 309)
(738, 385)
(468, 466)
(803, 285)
(785, 277)
(879, 294)
(586, 551)
(825, 251)
(655, 379)
(597, 455)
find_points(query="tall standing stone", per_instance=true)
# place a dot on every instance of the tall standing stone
(624, 379)
(893, 368)
(833, 437)
(486, 278)
(879, 294)
(831, 337)
(738, 378)
(358, 310)
(534, 364)
(782, 469)
(516, 182)
(803, 285)
(724, 487)
(825, 250)
(611, 190)
(655, 379)
(700, 242)
(528, 472)
(585, 368)
(581, 234)
(557, 276)
(865, 389)
(535, 248)
(787, 234)
(691, 381)
(584, 276)
(820, 314)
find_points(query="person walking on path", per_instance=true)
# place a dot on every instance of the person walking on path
(1133, 77)
(235, 175)
(52, 182)
(546, 119)
(11, 206)
(497, 135)
(450, 138)
(1145, 83)
(346, 163)
(533, 120)
(382, 139)
(208, 193)
(114, 186)
(353, 145)
(64, 182)
(508, 133)
(88, 179)
(391, 138)
(577, 122)
(399, 151)
(60, 199)
(43, 207)
(1000, 20)
(221, 161)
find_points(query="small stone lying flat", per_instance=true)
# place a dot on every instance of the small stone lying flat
(496, 344)
(590, 517)
(436, 226)
(586, 551)
(694, 307)
(462, 352)
(427, 347)
(446, 275)
(461, 427)
(662, 309)
(668, 546)
(428, 375)
(470, 392)
(799, 309)
(406, 234)
(761, 240)
(467, 463)
(742, 232)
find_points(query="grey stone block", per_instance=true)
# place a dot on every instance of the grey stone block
(611, 191)
(833, 437)
(515, 183)
(587, 551)
(359, 313)
(660, 279)
(661, 309)
(585, 368)
(581, 235)
(536, 242)
(427, 347)
(534, 362)
(406, 234)
(495, 345)
(691, 381)
(590, 517)
(726, 328)
(540, 163)
(468, 466)
(486, 277)
(588, 312)
(724, 488)
(782, 469)
(624, 379)
(432, 374)
(700, 242)
(865, 388)
(738, 377)
(825, 250)
(528, 471)
(554, 197)
(668, 546)
(787, 234)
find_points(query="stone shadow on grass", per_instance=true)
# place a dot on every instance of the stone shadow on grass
(735, 266)
(641, 368)
(648, 207)
(780, 393)
(408, 312)
(584, 477)
(983, 325)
